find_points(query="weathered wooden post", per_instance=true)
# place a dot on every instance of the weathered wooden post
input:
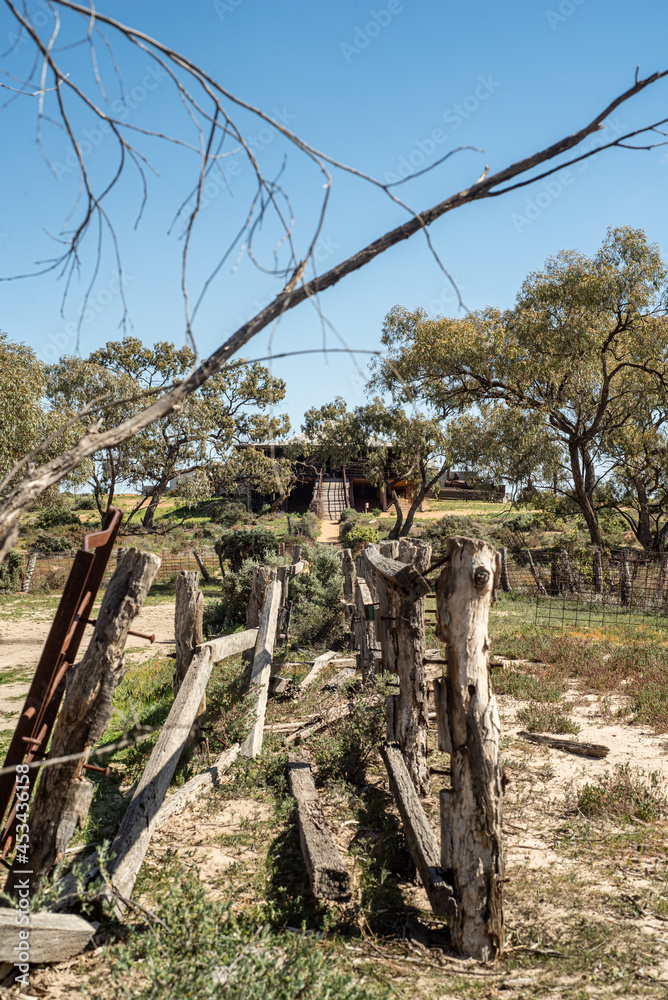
(261, 669)
(363, 628)
(406, 589)
(64, 794)
(348, 568)
(471, 810)
(625, 581)
(206, 576)
(188, 635)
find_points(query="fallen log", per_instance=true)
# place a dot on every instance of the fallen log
(339, 680)
(327, 873)
(52, 937)
(421, 839)
(568, 746)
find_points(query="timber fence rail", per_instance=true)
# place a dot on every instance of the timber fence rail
(52, 570)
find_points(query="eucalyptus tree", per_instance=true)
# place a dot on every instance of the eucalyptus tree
(586, 336)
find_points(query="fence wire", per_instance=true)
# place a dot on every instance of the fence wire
(585, 593)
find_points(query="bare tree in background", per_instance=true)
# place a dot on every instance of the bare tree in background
(216, 126)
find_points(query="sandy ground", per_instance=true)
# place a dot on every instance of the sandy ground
(22, 640)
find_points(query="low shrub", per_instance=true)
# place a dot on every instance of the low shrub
(544, 718)
(344, 752)
(11, 571)
(246, 543)
(229, 611)
(351, 532)
(55, 517)
(85, 503)
(626, 793)
(200, 949)
(228, 514)
(317, 620)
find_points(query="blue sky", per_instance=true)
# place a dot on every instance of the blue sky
(387, 88)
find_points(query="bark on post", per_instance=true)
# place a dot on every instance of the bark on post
(188, 634)
(386, 613)
(471, 810)
(406, 590)
(63, 795)
(348, 567)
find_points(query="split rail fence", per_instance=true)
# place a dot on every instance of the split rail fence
(385, 593)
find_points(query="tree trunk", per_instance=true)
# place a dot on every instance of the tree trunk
(64, 794)
(471, 810)
(583, 495)
(156, 496)
(644, 530)
(396, 529)
(188, 634)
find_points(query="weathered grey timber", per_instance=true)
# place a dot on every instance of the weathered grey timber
(188, 635)
(471, 810)
(261, 671)
(327, 873)
(53, 937)
(319, 665)
(206, 576)
(348, 567)
(441, 703)
(534, 572)
(331, 715)
(406, 590)
(344, 677)
(419, 834)
(366, 644)
(385, 616)
(64, 794)
(134, 834)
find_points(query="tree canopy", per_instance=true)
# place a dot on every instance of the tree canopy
(586, 339)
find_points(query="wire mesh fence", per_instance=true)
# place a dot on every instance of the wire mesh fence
(51, 571)
(593, 591)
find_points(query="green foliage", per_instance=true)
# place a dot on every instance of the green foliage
(85, 503)
(542, 718)
(626, 793)
(345, 752)
(10, 572)
(230, 611)
(205, 951)
(547, 385)
(228, 514)
(305, 525)
(56, 517)
(248, 543)
(22, 385)
(351, 532)
(317, 615)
